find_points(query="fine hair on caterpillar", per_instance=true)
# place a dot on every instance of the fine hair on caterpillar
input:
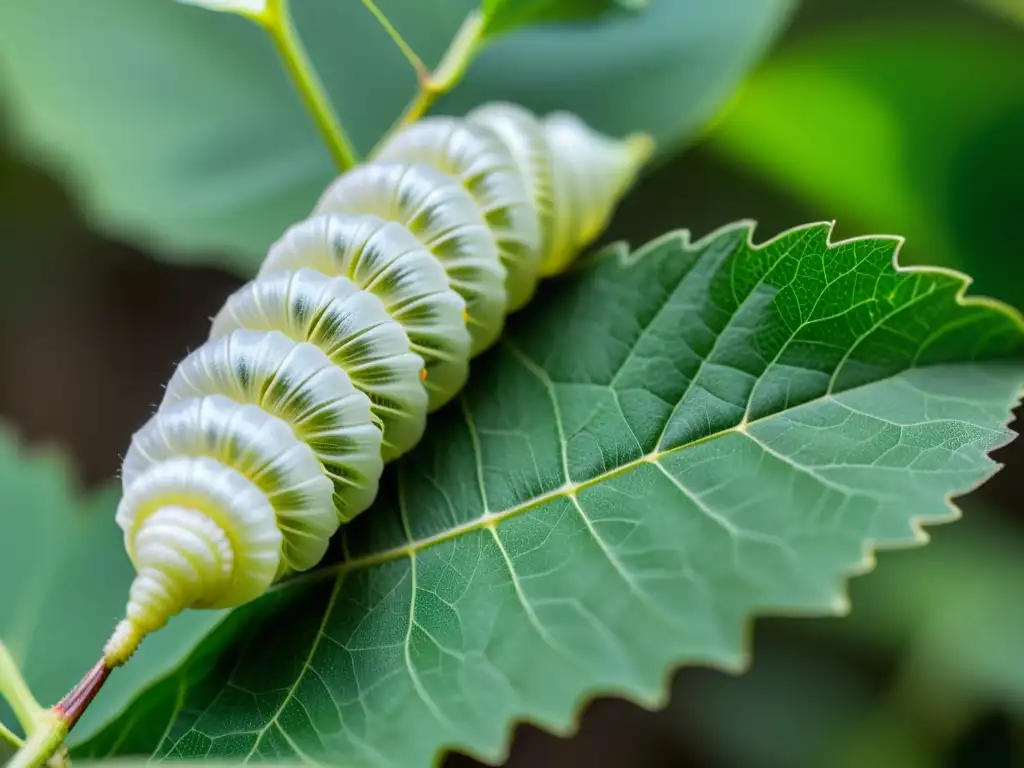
(361, 321)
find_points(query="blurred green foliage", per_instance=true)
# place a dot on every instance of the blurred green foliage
(181, 132)
(922, 97)
(502, 16)
(912, 127)
(947, 619)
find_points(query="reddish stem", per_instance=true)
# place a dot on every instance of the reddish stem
(72, 706)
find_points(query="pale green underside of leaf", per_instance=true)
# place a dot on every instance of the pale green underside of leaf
(66, 579)
(177, 127)
(664, 446)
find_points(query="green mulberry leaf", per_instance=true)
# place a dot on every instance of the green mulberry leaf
(836, 120)
(502, 16)
(667, 444)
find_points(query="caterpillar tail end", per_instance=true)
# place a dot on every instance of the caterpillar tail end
(121, 646)
(154, 598)
(183, 559)
(123, 642)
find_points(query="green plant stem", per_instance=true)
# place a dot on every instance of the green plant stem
(417, 63)
(45, 729)
(43, 744)
(277, 20)
(468, 41)
(16, 691)
(10, 736)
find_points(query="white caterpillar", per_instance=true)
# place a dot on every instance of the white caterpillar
(361, 321)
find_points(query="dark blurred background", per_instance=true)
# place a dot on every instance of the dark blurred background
(902, 116)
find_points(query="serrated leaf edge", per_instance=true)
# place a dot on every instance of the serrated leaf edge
(841, 605)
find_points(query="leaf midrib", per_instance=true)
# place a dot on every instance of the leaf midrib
(569, 489)
(566, 490)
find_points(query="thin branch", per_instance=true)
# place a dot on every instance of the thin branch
(17, 693)
(10, 736)
(467, 42)
(464, 46)
(277, 21)
(417, 63)
(45, 729)
(43, 744)
(50, 727)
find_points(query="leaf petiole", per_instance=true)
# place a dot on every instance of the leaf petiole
(468, 41)
(417, 63)
(10, 736)
(276, 20)
(44, 745)
(464, 46)
(45, 729)
(16, 691)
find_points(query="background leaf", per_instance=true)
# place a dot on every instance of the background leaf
(942, 624)
(177, 128)
(958, 607)
(231, 6)
(667, 445)
(1010, 9)
(502, 16)
(138, 763)
(882, 124)
(66, 577)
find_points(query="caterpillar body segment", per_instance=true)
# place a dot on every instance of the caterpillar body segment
(259, 446)
(353, 329)
(200, 534)
(362, 320)
(487, 169)
(523, 135)
(575, 174)
(385, 258)
(589, 173)
(299, 385)
(446, 220)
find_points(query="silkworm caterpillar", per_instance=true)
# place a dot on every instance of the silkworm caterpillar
(362, 320)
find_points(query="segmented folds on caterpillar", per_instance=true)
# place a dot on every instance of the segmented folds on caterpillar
(361, 321)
